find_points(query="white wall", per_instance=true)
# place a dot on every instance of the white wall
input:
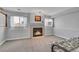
(67, 26)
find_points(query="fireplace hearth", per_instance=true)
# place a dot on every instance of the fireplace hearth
(37, 32)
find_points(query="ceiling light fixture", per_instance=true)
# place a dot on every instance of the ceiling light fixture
(18, 9)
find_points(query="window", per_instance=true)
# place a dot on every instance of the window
(18, 21)
(48, 22)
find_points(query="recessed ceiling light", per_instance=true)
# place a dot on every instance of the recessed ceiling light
(18, 9)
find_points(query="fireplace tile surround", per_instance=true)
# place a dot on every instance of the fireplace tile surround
(36, 25)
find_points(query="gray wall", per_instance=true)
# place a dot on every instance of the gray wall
(48, 29)
(21, 33)
(36, 24)
(67, 26)
(10, 13)
(28, 31)
(2, 27)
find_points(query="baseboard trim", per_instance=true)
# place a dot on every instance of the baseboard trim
(61, 37)
(17, 38)
(2, 42)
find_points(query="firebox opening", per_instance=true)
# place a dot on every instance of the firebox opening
(37, 32)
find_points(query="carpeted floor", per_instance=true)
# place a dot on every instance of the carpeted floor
(36, 44)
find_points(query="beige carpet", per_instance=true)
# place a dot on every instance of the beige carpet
(36, 44)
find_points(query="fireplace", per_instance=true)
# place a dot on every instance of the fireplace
(37, 32)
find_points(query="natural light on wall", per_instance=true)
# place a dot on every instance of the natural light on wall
(48, 22)
(18, 21)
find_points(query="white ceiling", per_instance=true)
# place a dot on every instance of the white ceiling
(44, 10)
